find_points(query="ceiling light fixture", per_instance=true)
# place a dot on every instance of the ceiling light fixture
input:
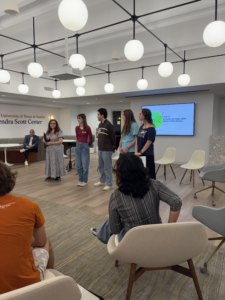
(4, 75)
(109, 87)
(134, 49)
(184, 79)
(115, 55)
(214, 33)
(23, 88)
(77, 61)
(80, 91)
(56, 93)
(11, 7)
(79, 81)
(73, 14)
(142, 84)
(166, 68)
(35, 69)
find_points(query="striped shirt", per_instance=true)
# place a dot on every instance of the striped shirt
(128, 212)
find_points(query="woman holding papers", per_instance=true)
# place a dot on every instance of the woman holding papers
(145, 141)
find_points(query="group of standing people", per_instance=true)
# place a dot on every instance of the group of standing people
(139, 141)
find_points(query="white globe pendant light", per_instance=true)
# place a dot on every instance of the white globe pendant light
(4, 76)
(77, 61)
(109, 88)
(35, 70)
(214, 33)
(80, 81)
(142, 84)
(23, 88)
(80, 91)
(165, 69)
(73, 14)
(184, 79)
(56, 94)
(134, 50)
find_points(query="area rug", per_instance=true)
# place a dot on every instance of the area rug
(80, 255)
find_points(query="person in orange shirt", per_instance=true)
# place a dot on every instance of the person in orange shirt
(25, 249)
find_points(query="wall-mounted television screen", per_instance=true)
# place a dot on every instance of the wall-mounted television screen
(173, 119)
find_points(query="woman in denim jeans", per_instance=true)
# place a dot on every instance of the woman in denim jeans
(82, 153)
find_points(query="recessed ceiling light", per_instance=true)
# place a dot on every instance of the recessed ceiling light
(3, 95)
(121, 101)
(53, 101)
(88, 103)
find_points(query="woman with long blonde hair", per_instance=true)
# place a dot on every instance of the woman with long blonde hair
(129, 133)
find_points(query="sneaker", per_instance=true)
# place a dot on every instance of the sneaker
(93, 230)
(106, 188)
(79, 183)
(99, 184)
(48, 178)
(57, 179)
(22, 150)
(83, 184)
(26, 163)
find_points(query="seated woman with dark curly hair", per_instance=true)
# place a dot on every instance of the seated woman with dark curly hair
(136, 201)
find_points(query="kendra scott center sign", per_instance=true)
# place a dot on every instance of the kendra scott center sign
(21, 119)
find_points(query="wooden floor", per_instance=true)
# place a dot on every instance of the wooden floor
(30, 182)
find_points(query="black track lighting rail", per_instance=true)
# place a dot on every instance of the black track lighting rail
(133, 17)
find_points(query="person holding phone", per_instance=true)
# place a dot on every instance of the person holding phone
(145, 141)
(54, 164)
(129, 133)
(82, 152)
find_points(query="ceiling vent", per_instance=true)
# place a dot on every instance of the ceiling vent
(64, 73)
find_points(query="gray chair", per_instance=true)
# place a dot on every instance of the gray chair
(214, 219)
(215, 174)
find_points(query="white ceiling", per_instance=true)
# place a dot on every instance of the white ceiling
(180, 28)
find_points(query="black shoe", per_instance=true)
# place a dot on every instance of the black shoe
(57, 179)
(93, 230)
(48, 178)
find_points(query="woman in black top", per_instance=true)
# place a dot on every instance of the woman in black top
(145, 141)
(136, 201)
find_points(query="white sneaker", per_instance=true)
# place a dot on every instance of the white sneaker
(79, 183)
(99, 184)
(106, 188)
(83, 184)
(22, 150)
(26, 163)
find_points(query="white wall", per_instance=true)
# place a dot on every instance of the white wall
(18, 113)
(222, 117)
(185, 146)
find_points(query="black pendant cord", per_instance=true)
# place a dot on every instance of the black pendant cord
(77, 43)
(56, 84)
(142, 72)
(2, 61)
(216, 5)
(108, 74)
(22, 78)
(34, 45)
(134, 19)
(184, 62)
(165, 45)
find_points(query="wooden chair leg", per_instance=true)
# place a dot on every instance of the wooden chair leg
(193, 178)
(202, 180)
(183, 176)
(173, 171)
(116, 263)
(195, 279)
(131, 281)
(157, 170)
